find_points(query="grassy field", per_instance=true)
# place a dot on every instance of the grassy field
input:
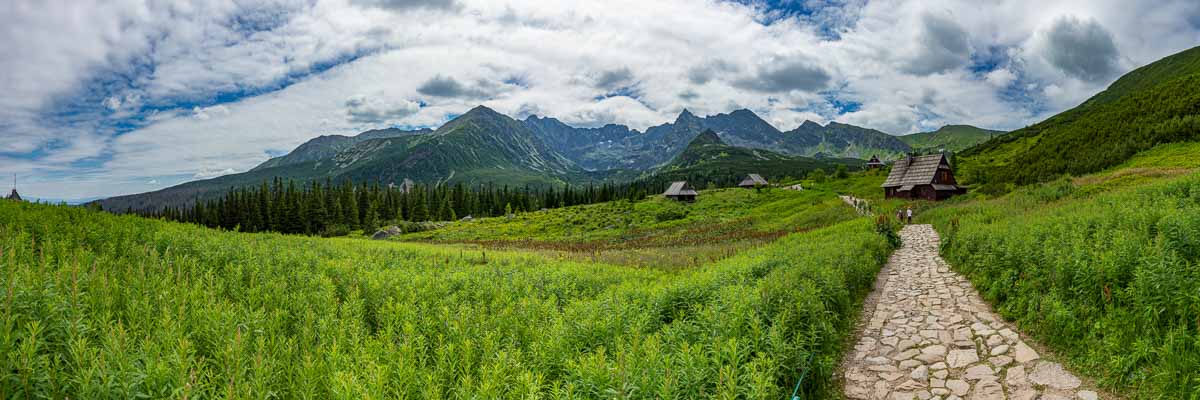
(1103, 268)
(101, 306)
(664, 233)
(653, 232)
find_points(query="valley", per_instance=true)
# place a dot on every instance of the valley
(733, 200)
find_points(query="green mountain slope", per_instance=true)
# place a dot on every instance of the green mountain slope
(1158, 103)
(707, 159)
(842, 140)
(950, 137)
(323, 147)
(480, 146)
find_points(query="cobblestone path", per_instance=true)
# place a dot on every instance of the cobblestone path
(930, 336)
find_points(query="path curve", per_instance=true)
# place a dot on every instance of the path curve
(930, 336)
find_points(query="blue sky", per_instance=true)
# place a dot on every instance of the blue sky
(116, 97)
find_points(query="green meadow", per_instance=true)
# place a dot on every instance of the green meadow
(103, 306)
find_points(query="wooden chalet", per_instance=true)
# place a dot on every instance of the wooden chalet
(922, 178)
(681, 191)
(14, 195)
(752, 181)
(874, 163)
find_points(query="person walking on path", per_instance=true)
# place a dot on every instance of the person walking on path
(909, 214)
(900, 215)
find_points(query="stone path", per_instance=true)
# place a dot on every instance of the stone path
(932, 337)
(859, 205)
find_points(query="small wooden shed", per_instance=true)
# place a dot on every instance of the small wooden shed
(681, 191)
(874, 163)
(922, 177)
(752, 181)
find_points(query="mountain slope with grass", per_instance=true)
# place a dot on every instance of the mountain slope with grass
(1103, 268)
(1157, 103)
(953, 138)
(842, 140)
(708, 160)
(480, 146)
(327, 146)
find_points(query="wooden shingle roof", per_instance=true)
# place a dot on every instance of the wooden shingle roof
(680, 188)
(753, 180)
(914, 171)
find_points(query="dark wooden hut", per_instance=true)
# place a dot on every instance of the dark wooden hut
(922, 177)
(681, 191)
(752, 181)
(874, 163)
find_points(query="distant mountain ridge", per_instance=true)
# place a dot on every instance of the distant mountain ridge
(329, 145)
(484, 146)
(707, 159)
(952, 138)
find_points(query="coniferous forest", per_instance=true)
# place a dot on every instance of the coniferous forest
(334, 209)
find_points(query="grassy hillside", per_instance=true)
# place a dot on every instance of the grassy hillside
(1158, 103)
(842, 140)
(656, 232)
(1104, 268)
(101, 306)
(707, 160)
(954, 138)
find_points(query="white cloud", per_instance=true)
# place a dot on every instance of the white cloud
(207, 113)
(205, 173)
(377, 109)
(910, 65)
(1001, 77)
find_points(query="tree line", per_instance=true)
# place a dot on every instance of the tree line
(333, 209)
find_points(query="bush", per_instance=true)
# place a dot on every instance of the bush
(335, 230)
(670, 215)
(1112, 281)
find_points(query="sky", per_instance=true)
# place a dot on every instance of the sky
(110, 97)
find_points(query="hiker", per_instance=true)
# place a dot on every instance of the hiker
(910, 214)
(900, 215)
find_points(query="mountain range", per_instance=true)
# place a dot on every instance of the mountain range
(484, 146)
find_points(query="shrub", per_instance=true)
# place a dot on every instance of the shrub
(670, 215)
(335, 230)
(1112, 281)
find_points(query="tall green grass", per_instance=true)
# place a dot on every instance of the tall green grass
(1111, 280)
(101, 306)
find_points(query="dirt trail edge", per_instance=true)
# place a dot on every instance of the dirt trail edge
(930, 336)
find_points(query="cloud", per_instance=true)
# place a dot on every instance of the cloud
(943, 46)
(1082, 49)
(207, 113)
(702, 74)
(803, 75)
(445, 86)
(206, 173)
(615, 79)
(410, 4)
(1001, 77)
(378, 110)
